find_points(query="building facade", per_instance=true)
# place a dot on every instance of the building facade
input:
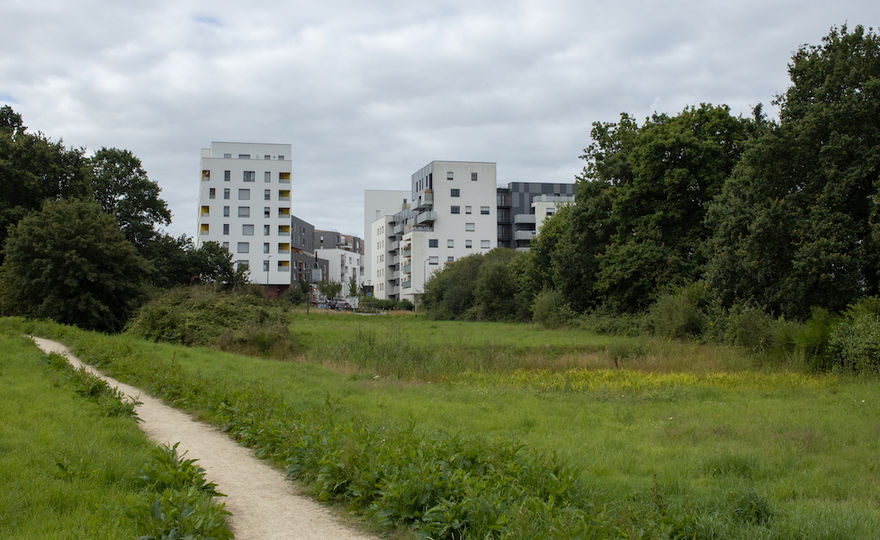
(519, 205)
(450, 213)
(244, 205)
(345, 256)
(378, 203)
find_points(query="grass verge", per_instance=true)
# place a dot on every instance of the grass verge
(74, 464)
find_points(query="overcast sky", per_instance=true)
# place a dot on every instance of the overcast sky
(369, 92)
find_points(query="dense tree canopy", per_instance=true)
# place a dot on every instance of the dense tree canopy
(71, 263)
(797, 223)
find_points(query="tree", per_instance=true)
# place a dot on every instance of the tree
(33, 169)
(71, 263)
(642, 197)
(798, 224)
(496, 286)
(330, 289)
(122, 188)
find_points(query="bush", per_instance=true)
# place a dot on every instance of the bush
(244, 321)
(679, 314)
(854, 342)
(550, 310)
(749, 327)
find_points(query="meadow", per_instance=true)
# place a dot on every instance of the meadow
(508, 430)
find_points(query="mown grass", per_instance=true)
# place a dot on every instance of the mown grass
(737, 454)
(72, 460)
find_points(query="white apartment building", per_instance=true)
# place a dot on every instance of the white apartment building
(343, 266)
(378, 203)
(547, 205)
(450, 213)
(244, 205)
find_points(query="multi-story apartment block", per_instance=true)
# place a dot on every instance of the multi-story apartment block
(303, 258)
(450, 213)
(345, 256)
(378, 203)
(244, 205)
(523, 206)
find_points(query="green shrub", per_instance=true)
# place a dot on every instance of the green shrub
(680, 313)
(405, 305)
(854, 341)
(749, 327)
(244, 321)
(604, 322)
(550, 310)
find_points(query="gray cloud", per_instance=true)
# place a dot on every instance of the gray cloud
(369, 92)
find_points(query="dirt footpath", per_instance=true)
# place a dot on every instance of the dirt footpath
(263, 503)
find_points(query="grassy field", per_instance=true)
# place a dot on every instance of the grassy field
(685, 440)
(73, 463)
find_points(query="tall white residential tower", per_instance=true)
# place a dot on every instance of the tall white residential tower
(244, 205)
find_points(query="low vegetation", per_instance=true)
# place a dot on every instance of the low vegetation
(74, 464)
(244, 320)
(649, 449)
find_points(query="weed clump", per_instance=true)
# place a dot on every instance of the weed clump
(245, 322)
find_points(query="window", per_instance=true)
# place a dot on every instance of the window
(265, 230)
(468, 244)
(265, 247)
(450, 258)
(205, 228)
(467, 209)
(226, 193)
(226, 246)
(242, 265)
(473, 177)
(485, 244)
(265, 265)
(206, 175)
(244, 156)
(484, 210)
(267, 176)
(248, 176)
(247, 230)
(267, 194)
(227, 176)
(469, 227)
(280, 156)
(449, 175)
(244, 194)
(450, 243)
(267, 156)
(225, 211)
(227, 156)
(212, 193)
(244, 211)
(455, 210)
(454, 192)
(433, 242)
(433, 259)
(226, 228)
(243, 247)
(267, 212)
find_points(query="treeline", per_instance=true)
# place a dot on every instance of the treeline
(80, 234)
(724, 214)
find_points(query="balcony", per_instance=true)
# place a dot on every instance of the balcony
(283, 194)
(523, 235)
(392, 246)
(407, 268)
(204, 228)
(406, 249)
(523, 218)
(426, 200)
(283, 247)
(406, 284)
(398, 229)
(206, 211)
(395, 275)
(284, 177)
(426, 217)
(284, 212)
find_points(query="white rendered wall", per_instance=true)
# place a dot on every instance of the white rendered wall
(378, 203)
(342, 266)
(210, 226)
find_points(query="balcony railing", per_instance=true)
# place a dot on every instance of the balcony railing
(524, 218)
(523, 235)
(406, 284)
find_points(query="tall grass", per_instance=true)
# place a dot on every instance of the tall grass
(743, 454)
